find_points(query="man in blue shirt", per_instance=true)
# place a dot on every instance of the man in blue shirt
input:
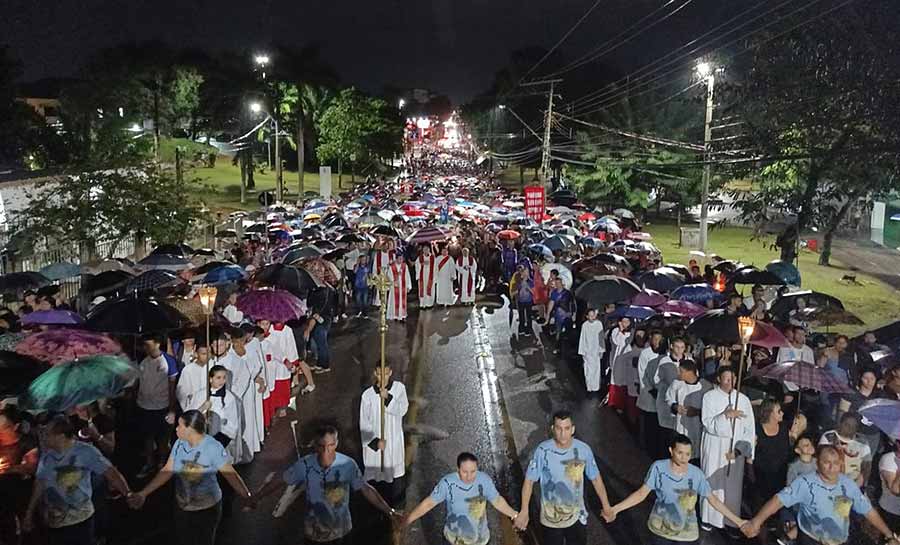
(466, 494)
(328, 477)
(824, 500)
(561, 465)
(678, 486)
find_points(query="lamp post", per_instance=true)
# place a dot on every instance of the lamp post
(261, 60)
(256, 107)
(706, 71)
(746, 326)
(208, 301)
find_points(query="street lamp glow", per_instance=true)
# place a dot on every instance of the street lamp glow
(261, 60)
(704, 69)
(255, 107)
(502, 106)
(402, 103)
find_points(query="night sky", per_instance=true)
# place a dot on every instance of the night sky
(449, 46)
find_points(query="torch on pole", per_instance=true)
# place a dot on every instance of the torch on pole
(746, 325)
(382, 283)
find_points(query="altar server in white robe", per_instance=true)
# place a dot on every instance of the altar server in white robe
(392, 443)
(445, 275)
(426, 269)
(191, 388)
(724, 407)
(255, 354)
(467, 275)
(245, 381)
(591, 347)
(401, 284)
(223, 411)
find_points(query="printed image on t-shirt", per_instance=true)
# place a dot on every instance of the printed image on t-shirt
(466, 522)
(67, 483)
(673, 515)
(562, 473)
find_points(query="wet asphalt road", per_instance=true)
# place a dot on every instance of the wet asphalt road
(472, 386)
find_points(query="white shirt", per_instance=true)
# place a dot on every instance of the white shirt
(888, 501)
(855, 452)
(153, 390)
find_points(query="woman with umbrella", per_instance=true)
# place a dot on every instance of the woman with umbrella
(195, 461)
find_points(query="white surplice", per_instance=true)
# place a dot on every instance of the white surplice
(242, 374)
(717, 439)
(401, 284)
(467, 274)
(666, 373)
(689, 395)
(225, 418)
(445, 273)
(619, 342)
(591, 347)
(426, 271)
(256, 359)
(191, 388)
(370, 430)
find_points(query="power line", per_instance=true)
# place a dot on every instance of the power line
(643, 137)
(561, 40)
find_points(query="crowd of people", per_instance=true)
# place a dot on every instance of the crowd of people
(729, 441)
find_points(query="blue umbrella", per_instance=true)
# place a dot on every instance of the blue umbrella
(540, 249)
(591, 241)
(59, 271)
(786, 271)
(634, 312)
(226, 274)
(696, 293)
(884, 414)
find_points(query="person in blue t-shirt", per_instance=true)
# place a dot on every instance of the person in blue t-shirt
(63, 485)
(361, 284)
(195, 460)
(678, 486)
(823, 500)
(466, 494)
(328, 477)
(561, 465)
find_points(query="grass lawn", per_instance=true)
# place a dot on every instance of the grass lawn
(875, 302)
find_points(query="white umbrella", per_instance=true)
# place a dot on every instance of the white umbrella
(564, 273)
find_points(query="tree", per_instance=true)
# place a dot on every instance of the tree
(820, 112)
(110, 206)
(303, 105)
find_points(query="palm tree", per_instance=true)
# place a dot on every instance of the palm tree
(305, 102)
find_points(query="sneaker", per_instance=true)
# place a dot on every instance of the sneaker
(321, 370)
(310, 388)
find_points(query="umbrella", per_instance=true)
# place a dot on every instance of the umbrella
(134, 315)
(110, 265)
(607, 289)
(226, 233)
(640, 235)
(191, 308)
(591, 242)
(371, 219)
(540, 249)
(180, 250)
(52, 317)
(608, 227)
(79, 382)
(805, 375)
(17, 372)
(559, 242)
(634, 312)
(884, 414)
(271, 305)
(385, 231)
(678, 267)
(427, 235)
(683, 308)
(624, 213)
(768, 336)
(696, 293)
(755, 276)
(648, 298)
(164, 261)
(302, 253)
(293, 279)
(828, 316)
(609, 259)
(662, 279)
(786, 271)
(788, 302)
(508, 234)
(21, 281)
(717, 327)
(564, 273)
(9, 341)
(60, 271)
(352, 238)
(225, 274)
(105, 282)
(56, 346)
(210, 265)
(152, 280)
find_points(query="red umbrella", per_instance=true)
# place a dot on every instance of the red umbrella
(587, 216)
(508, 234)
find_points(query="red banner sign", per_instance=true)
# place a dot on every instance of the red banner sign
(534, 202)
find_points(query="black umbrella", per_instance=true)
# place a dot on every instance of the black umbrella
(728, 266)
(210, 265)
(293, 279)
(257, 228)
(324, 244)
(105, 282)
(17, 372)
(559, 242)
(180, 250)
(385, 231)
(715, 327)
(226, 233)
(812, 299)
(603, 290)
(335, 254)
(152, 280)
(350, 238)
(135, 316)
(302, 253)
(204, 251)
(755, 276)
(685, 272)
(663, 279)
(20, 281)
(334, 220)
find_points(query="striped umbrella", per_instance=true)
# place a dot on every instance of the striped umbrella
(271, 305)
(427, 235)
(805, 375)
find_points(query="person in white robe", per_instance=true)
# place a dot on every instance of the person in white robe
(255, 357)
(393, 396)
(223, 412)
(426, 269)
(445, 274)
(401, 284)
(619, 343)
(192, 382)
(591, 347)
(283, 357)
(382, 258)
(246, 381)
(685, 400)
(467, 275)
(727, 418)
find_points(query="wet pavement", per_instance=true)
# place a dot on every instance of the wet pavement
(472, 386)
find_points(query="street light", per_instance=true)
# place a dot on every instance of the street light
(706, 71)
(261, 59)
(502, 106)
(402, 103)
(257, 107)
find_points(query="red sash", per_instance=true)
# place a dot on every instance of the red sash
(422, 274)
(469, 275)
(399, 287)
(443, 262)
(378, 264)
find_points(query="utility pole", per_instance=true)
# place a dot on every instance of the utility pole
(548, 125)
(279, 186)
(707, 71)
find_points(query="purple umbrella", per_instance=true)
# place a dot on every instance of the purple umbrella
(805, 375)
(696, 293)
(685, 308)
(57, 346)
(52, 317)
(271, 305)
(649, 298)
